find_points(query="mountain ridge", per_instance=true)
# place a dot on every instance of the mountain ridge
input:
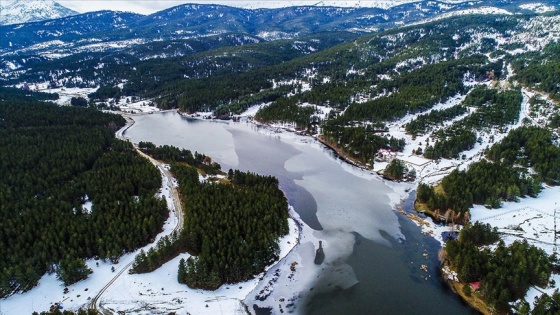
(188, 20)
(20, 11)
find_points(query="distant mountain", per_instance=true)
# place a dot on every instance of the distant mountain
(195, 20)
(23, 11)
(72, 30)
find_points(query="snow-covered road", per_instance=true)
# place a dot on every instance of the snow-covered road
(176, 208)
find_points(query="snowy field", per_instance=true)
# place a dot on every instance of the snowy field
(157, 292)
(533, 219)
(139, 107)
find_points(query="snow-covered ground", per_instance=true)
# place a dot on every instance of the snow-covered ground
(479, 10)
(290, 280)
(537, 7)
(65, 94)
(137, 107)
(533, 293)
(252, 111)
(533, 219)
(159, 292)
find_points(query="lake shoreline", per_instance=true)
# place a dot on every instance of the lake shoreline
(305, 272)
(291, 212)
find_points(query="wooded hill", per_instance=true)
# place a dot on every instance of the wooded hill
(231, 228)
(68, 191)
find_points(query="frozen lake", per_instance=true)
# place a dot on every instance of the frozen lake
(372, 255)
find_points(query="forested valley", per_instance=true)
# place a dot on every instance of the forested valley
(475, 95)
(69, 191)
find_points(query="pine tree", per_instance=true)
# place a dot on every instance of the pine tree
(182, 273)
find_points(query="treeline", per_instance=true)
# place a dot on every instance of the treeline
(484, 183)
(18, 113)
(286, 110)
(173, 154)
(397, 170)
(496, 109)
(72, 270)
(361, 143)
(206, 94)
(425, 122)
(540, 69)
(543, 305)
(505, 274)
(243, 103)
(105, 92)
(339, 93)
(418, 90)
(530, 147)
(53, 163)
(167, 248)
(23, 95)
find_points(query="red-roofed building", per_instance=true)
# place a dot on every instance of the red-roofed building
(475, 285)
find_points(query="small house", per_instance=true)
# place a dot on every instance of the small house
(475, 285)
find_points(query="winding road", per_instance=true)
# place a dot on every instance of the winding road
(177, 208)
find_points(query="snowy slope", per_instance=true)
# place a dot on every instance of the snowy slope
(22, 11)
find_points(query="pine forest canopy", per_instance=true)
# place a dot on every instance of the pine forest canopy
(231, 228)
(54, 160)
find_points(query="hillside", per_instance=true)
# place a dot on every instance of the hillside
(107, 29)
(464, 104)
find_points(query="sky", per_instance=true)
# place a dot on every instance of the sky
(151, 6)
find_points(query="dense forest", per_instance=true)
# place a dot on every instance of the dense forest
(425, 122)
(416, 91)
(505, 273)
(483, 183)
(286, 110)
(397, 170)
(540, 69)
(544, 305)
(231, 228)
(530, 147)
(167, 248)
(68, 191)
(493, 109)
(360, 143)
(173, 154)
